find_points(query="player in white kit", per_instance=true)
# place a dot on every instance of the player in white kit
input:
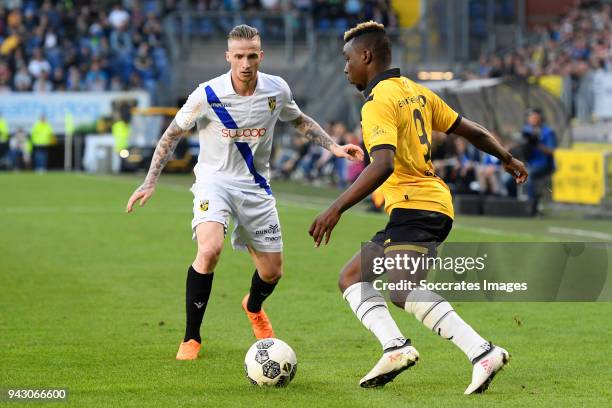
(235, 115)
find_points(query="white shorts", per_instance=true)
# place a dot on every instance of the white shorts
(255, 218)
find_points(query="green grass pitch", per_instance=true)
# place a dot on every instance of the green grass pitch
(92, 299)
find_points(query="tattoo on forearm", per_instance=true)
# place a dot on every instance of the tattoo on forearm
(163, 153)
(313, 131)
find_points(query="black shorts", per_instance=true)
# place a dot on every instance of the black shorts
(408, 225)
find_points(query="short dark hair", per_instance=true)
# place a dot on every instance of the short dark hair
(374, 37)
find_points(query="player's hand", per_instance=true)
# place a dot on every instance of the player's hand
(517, 170)
(143, 194)
(348, 151)
(323, 225)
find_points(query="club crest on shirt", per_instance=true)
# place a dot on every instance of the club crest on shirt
(272, 103)
(203, 205)
(377, 131)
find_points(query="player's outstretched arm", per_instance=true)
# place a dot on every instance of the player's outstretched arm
(163, 153)
(483, 140)
(369, 180)
(309, 128)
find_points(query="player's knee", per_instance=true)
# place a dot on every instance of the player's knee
(349, 275)
(399, 303)
(271, 270)
(272, 274)
(208, 255)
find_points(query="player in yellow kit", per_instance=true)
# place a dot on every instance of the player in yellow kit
(398, 118)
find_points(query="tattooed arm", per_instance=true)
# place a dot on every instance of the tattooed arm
(163, 153)
(310, 129)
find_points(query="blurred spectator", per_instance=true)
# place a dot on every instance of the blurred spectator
(20, 150)
(4, 138)
(58, 79)
(355, 167)
(290, 159)
(5, 77)
(38, 64)
(462, 174)
(270, 5)
(42, 139)
(22, 80)
(42, 83)
(488, 173)
(338, 133)
(118, 17)
(74, 81)
(308, 161)
(121, 133)
(539, 143)
(95, 80)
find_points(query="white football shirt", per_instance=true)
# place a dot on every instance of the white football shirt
(235, 131)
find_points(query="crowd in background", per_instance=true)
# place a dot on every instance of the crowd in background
(578, 42)
(328, 14)
(308, 161)
(577, 46)
(463, 168)
(60, 46)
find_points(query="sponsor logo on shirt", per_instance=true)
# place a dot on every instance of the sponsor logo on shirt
(420, 99)
(203, 205)
(272, 229)
(236, 133)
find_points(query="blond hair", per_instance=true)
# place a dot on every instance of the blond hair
(243, 32)
(362, 28)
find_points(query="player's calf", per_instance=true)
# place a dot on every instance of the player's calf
(353, 272)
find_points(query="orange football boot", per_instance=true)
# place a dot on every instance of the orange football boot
(188, 350)
(262, 328)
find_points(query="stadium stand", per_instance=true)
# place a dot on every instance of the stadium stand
(78, 46)
(573, 49)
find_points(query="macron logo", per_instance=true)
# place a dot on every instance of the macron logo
(220, 105)
(199, 304)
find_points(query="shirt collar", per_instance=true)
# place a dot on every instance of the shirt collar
(390, 73)
(229, 87)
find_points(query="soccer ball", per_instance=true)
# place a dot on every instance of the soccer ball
(270, 362)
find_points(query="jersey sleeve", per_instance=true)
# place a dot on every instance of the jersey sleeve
(445, 119)
(290, 110)
(193, 109)
(379, 121)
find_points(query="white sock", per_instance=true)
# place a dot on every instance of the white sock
(371, 309)
(438, 315)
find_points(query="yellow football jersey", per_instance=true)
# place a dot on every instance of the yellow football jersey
(401, 114)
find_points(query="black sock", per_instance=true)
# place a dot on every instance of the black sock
(260, 290)
(196, 299)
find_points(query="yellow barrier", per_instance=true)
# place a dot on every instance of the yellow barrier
(553, 84)
(579, 177)
(408, 11)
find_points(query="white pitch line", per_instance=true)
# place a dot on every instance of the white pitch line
(320, 203)
(581, 233)
(78, 210)
(493, 231)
